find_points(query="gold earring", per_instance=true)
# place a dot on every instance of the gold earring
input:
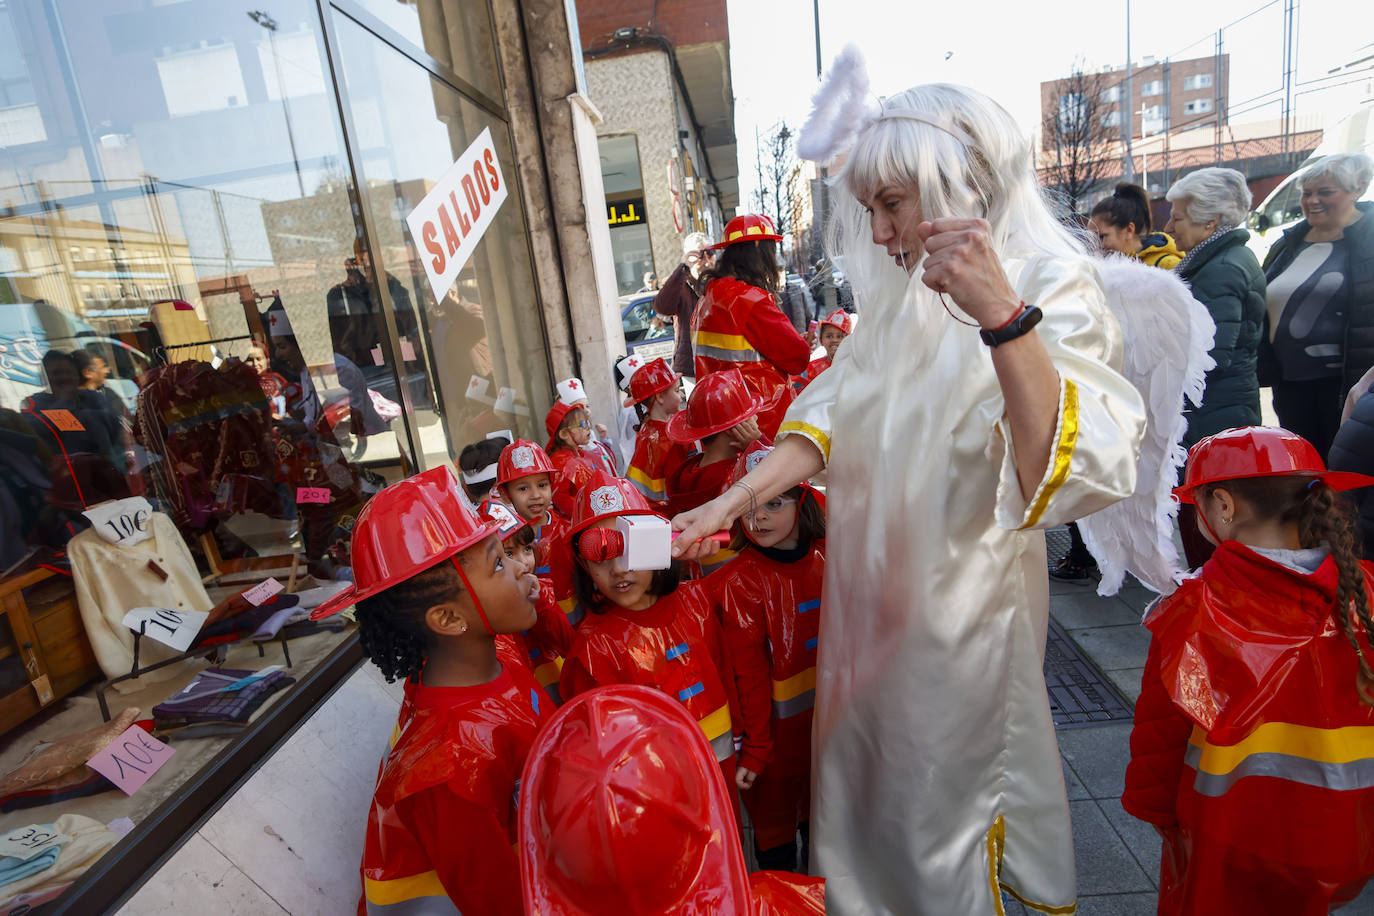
(463, 628)
(1226, 521)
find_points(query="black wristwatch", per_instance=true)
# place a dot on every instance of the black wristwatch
(1030, 316)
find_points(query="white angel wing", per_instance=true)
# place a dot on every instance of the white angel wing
(1168, 335)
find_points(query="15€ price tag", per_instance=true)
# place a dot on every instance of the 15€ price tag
(129, 760)
(122, 521)
(177, 629)
(27, 842)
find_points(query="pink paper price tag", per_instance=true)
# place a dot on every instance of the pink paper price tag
(129, 760)
(312, 495)
(262, 592)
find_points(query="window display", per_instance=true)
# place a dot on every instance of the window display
(216, 333)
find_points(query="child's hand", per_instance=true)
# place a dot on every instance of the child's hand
(744, 778)
(601, 431)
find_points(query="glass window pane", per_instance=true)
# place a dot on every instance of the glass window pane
(457, 33)
(486, 334)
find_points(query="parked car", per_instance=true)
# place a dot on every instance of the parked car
(646, 332)
(30, 329)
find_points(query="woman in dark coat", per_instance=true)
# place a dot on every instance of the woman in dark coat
(1209, 206)
(1320, 333)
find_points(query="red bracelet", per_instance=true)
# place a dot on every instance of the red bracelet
(1015, 315)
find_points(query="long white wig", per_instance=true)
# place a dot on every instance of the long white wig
(963, 153)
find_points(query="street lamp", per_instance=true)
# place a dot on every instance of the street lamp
(263, 19)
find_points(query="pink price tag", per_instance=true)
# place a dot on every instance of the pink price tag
(262, 592)
(129, 760)
(312, 495)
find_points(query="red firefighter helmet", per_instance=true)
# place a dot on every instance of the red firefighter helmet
(624, 809)
(719, 401)
(840, 320)
(650, 380)
(522, 458)
(751, 227)
(503, 517)
(404, 530)
(604, 496)
(554, 419)
(1259, 451)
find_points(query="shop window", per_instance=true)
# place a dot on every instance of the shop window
(456, 33)
(623, 181)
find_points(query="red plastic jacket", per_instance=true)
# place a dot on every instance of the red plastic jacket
(690, 484)
(738, 326)
(674, 646)
(808, 375)
(457, 760)
(771, 613)
(1251, 750)
(596, 453)
(546, 535)
(655, 457)
(540, 650)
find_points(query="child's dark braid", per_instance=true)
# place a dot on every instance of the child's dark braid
(1325, 518)
(391, 625)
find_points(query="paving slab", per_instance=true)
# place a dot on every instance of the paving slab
(1085, 608)
(1105, 865)
(1140, 838)
(1114, 647)
(1098, 757)
(1127, 680)
(1117, 905)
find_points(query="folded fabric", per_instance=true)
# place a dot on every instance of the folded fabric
(90, 840)
(76, 784)
(220, 694)
(12, 868)
(312, 598)
(272, 625)
(49, 761)
(252, 618)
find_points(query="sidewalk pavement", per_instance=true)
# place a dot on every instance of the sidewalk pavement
(1117, 856)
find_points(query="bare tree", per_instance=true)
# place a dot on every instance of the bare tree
(1078, 132)
(780, 184)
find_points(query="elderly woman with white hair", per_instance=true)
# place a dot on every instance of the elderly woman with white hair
(977, 403)
(1209, 210)
(1321, 299)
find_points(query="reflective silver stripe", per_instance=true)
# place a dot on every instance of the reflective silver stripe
(649, 492)
(783, 709)
(723, 745)
(416, 906)
(1340, 777)
(733, 356)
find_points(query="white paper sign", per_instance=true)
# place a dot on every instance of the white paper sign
(177, 629)
(27, 842)
(262, 592)
(122, 521)
(449, 222)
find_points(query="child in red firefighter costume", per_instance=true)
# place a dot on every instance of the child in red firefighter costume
(1254, 732)
(838, 325)
(542, 648)
(430, 610)
(738, 325)
(622, 812)
(644, 627)
(770, 600)
(656, 396)
(570, 428)
(526, 477)
(576, 472)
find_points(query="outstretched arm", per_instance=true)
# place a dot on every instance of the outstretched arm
(794, 460)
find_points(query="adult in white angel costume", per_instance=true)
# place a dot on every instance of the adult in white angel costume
(937, 776)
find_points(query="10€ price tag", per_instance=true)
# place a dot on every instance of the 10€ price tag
(122, 521)
(177, 629)
(129, 760)
(27, 842)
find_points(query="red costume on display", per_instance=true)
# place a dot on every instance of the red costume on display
(771, 613)
(738, 326)
(622, 812)
(1251, 748)
(457, 762)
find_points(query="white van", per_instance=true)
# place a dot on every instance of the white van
(1282, 208)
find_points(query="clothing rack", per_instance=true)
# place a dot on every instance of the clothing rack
(206, 343)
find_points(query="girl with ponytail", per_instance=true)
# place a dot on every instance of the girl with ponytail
(1123, 223)
(1253, 744)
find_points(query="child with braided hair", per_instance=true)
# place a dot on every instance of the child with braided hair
(1254, 732)
(430, 610)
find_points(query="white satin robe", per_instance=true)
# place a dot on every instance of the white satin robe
(937, 774)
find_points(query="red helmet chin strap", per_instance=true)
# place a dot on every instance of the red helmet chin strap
(476, 602)
(1216, 538)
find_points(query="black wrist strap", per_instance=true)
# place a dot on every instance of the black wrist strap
(1030, 316)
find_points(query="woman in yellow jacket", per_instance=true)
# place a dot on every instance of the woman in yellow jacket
(1122, 223)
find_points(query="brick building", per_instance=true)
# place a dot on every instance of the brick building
(1165, 95)
(659, 75)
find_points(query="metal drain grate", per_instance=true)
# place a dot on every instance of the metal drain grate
(1080, 694)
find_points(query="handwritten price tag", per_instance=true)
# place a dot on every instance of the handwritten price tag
(129, 760)
(64, 420)
(312, 495)
(27, 842)
(262, 592)
(177, 629)
(122, 521)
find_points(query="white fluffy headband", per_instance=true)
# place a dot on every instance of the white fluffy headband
(843, 108)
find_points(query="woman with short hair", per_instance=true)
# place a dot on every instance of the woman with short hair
(1320, 312)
